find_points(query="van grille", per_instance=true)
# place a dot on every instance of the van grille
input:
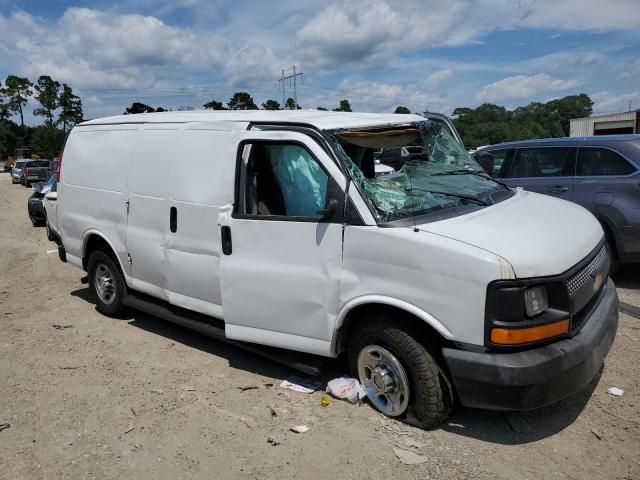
(579, 279)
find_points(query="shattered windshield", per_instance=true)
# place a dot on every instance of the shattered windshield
(431, 170)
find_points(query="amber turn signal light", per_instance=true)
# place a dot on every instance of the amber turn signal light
(519, 336)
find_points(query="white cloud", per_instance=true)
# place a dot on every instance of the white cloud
(631, 71)
(372, 96)
(92, 48)
(438, 77)
(522, 87)
(373, 31)
(606, 102)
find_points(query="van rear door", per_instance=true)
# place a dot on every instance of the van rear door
(281, 243)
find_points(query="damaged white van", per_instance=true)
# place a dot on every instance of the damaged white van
(437, 282)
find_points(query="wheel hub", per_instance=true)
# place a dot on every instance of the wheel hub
(105, 287)
(384, 379)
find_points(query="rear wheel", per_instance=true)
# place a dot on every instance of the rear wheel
(107, 283)
(401, 377)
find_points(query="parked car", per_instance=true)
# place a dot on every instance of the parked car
(51, 210)
(16, 171)
(284, 239)
(35, 205)
(35, 171)
(600, 173)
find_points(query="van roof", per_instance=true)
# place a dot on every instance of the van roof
(320, 119)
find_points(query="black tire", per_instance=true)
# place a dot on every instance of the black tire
(612, 250)
(50, 236)
(98, 261)
(430, 395)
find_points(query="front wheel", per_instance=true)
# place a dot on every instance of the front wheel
(107, 283)
(401, 377)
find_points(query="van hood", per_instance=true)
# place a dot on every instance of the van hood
(537, 234)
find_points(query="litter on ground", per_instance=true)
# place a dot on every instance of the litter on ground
(301, 385)
(408, 457)
(615, 391)
(300, 429)
(348, 388)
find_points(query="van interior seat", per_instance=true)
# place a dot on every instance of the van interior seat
(268, 198)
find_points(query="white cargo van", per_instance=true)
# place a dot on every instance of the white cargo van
(272, 228)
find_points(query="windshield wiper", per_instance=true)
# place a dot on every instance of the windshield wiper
(471, 172)
(456, 195)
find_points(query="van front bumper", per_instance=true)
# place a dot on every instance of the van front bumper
(540, 376)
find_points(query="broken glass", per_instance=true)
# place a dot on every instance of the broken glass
(420, 185)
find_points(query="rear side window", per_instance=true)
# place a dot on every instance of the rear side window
(542, 162)
(39, 163)
(499, 157)
(596, 162)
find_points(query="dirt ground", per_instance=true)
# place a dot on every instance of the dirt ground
(86, 396)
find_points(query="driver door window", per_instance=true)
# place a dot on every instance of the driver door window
(281, 180)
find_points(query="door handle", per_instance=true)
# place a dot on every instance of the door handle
(558, 189)
(173, 219)
(225, 236)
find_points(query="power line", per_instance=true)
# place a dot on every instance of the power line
(294, 75)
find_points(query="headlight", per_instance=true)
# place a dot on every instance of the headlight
(535, 300)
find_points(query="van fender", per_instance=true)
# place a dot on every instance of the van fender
(393, 302)
(85, 240)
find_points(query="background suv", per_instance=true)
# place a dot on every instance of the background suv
(600, 173)
(16, 171)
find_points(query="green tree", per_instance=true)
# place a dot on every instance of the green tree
(401, 109)
(137, 107)
(48, 95)
(271, 105)
(573, 106)
(322, 108)
(241, 101)
(46, 142)
(214, 105)
(17, 90)
(5, 114)
(489, 124)
(70, 108)
(344, 106)
(290, 104)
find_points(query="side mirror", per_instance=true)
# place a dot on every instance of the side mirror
(329, 209)
(486, 161)
(51, 196)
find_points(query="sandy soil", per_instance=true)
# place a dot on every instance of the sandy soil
(91, 397)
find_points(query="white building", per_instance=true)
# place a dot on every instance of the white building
(606, 124)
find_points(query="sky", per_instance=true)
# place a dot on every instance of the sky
(378, 54)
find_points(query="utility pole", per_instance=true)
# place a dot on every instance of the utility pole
(294, 75)
(282, 80)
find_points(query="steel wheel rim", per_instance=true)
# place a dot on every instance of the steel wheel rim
(384, 379)
(105, 284)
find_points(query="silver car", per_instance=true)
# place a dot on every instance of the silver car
(600, 173)
(16, 171)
